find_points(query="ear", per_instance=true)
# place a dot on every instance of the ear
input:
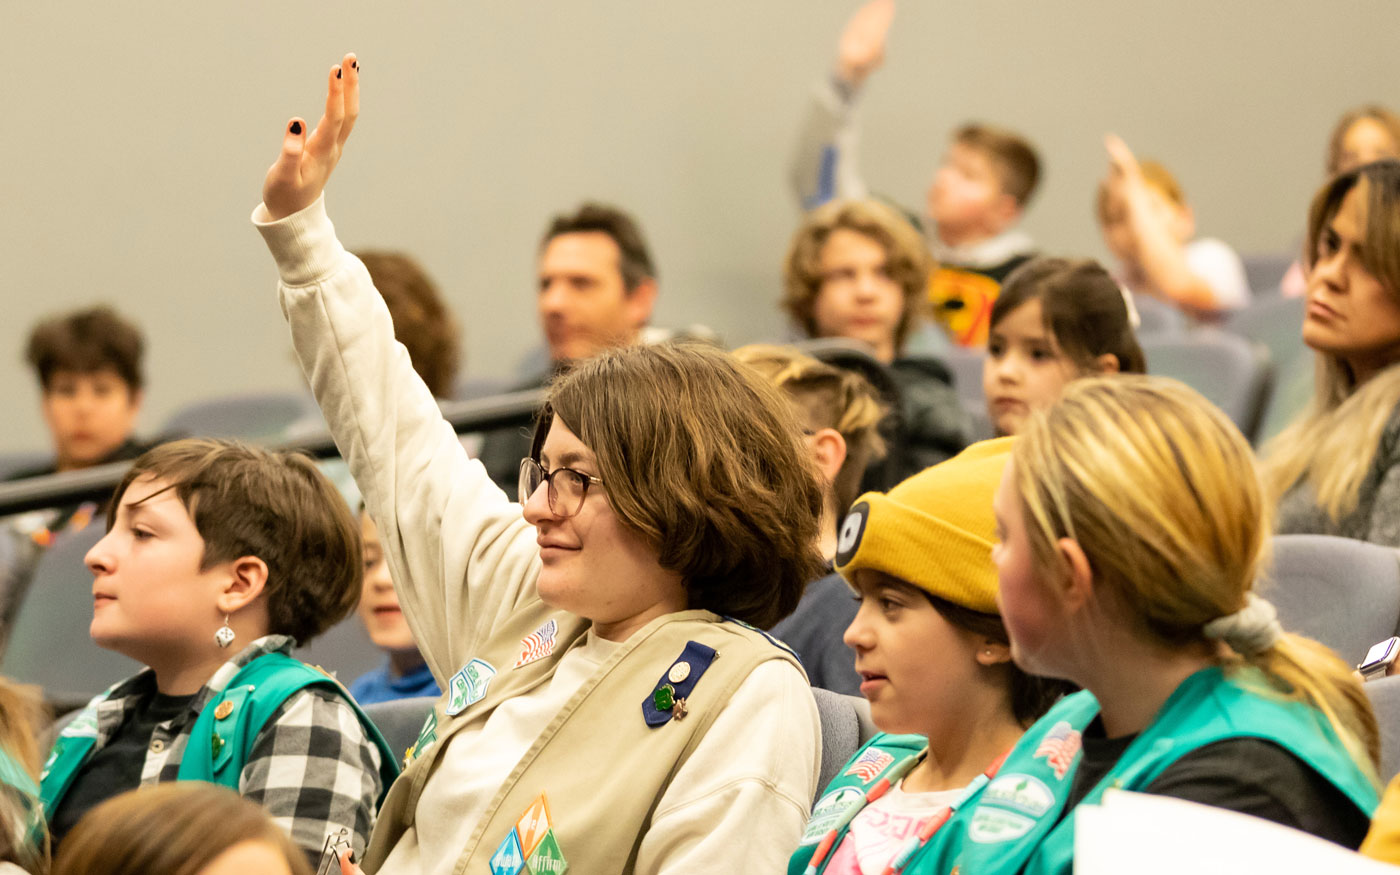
(1005, 211)
(1108, 364)
(991, 652)
(1187, 219)
(137, 396)
(246, 581)
(829, 452)
(1077, 587)
(641, 300)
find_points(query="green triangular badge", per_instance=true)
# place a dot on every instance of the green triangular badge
(547, 858)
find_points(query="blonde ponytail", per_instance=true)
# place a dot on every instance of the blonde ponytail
(1158, 488)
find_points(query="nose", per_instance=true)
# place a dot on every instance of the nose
(551, 297)
(1329, 271)
(536, 509)
(1006, 371)
(99, 559)
(858, 635)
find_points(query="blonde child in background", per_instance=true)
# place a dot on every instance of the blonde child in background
(1151, 229)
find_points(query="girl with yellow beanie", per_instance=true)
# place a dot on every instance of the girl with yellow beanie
(1132, 531)
(935, 663)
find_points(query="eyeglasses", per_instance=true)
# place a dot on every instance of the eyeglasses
(567, 487)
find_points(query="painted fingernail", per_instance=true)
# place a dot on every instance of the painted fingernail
(355, 64)
(337, 72)
(296, 127)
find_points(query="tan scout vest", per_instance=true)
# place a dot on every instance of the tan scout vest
(601, 768)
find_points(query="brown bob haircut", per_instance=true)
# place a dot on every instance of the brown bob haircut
(634, 258)
(177, 828)
(423, 323)
(1081, 307)
(906, 255)
(1015, 159)
(277, 506)
(704, 459)
(87, 342)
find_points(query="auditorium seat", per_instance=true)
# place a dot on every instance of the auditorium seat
(1232, 373)
(1385, 701)
(1157, 317)
(845, 727)
(254, 416)
(400, 721)
(1264, 271)
(1342, 592)
(1277, 323)
(23, 460)
(966, 367)
(50, 645)
(344, 650)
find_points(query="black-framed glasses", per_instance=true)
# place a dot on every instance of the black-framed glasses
(567, 487)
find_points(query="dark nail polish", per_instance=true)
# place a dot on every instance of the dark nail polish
(337, 74)
(296, 127)
(355, 64)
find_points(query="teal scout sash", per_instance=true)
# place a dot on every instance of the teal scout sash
(1017, 824)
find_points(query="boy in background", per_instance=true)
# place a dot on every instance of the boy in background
(1151, 230)
(974, 203)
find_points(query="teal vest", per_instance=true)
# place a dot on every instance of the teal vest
(223, 735)
(847, 789)
(1015, 825)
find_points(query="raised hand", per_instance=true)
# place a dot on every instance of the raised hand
(861, 49)
(1121, 159)
(299, 174)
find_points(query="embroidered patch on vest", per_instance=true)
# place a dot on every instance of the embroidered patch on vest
(870, 764)
(534, 824)
(547, 859)
(426, 736)
(538, 644)
(1059, 747)
(668, 698)
(508, 860)
(1025, 793)
(828, 812)
(990, 825)
(468, 686)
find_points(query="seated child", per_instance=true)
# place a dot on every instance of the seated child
(840, 416)
(1055, 321)
(1133, 529)
(24, 843)
(858, 269)
(935, 663)
(1362, 135)
(212, 544)
(189, 828)
(1151, 230)
(974, 203)
(405, 673)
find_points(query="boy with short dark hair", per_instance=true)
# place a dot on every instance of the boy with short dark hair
(974, 203)
(211, 543)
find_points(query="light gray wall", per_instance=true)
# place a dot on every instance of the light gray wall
(135, 136)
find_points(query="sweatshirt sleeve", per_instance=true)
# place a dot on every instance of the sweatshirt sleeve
(461, 555)
(740, 802)
(825, 163)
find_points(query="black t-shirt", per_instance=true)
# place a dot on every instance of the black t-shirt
(117, 766)
(1248, 775)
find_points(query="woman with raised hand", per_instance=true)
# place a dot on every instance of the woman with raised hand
(1336, 469)
(603, 708)
(1131, 533)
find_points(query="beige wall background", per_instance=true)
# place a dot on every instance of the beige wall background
(135, 136)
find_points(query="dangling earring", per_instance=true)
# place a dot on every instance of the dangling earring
(224, 637)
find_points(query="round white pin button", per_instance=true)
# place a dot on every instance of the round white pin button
(679, 672)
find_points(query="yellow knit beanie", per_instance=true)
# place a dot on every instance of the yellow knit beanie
(935, 530)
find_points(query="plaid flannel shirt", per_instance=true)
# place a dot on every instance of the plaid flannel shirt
(312, 766)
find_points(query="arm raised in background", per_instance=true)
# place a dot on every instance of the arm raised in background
(825, 164)
(1160, 255)
(461, 555)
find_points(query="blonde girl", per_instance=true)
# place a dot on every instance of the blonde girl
(1131, 535)
(1336, 469)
